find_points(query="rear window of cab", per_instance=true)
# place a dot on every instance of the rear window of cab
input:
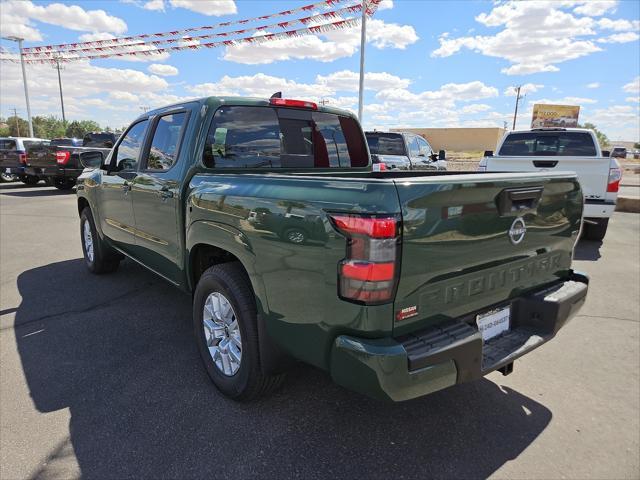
(576, 144)
(271, 137)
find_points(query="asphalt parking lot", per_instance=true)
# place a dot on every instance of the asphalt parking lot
(100, 378)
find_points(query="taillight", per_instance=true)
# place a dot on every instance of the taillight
(482, 166)
(379, 167)
(615, 175)
(22, 158)
(369, 273)
(62, 157)
(286, 102)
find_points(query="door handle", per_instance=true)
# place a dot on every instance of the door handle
(165, 193)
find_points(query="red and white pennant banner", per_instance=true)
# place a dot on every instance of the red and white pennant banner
(123, 40)
(258, 39)
(313, 19)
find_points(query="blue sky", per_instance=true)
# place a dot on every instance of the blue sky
(429, 64)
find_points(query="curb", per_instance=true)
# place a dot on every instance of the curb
(628, 204)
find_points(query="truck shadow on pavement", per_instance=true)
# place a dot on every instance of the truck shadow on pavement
(117, 351)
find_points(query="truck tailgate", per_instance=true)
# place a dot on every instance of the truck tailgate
(592, 171)
(464, 249)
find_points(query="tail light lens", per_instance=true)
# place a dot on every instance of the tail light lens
(22, 157)
(369, 273)
(615, 175)
(62, 157)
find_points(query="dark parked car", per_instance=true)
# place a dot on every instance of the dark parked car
(99, 139)
(66, 142)
(14, 158)
(403, 151)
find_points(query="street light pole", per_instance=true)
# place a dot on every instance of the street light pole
(24, 80)
(58, 67)
(363, 41)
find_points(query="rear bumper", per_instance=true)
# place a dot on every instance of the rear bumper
(453, 352)
(599, 209)
(53, 171)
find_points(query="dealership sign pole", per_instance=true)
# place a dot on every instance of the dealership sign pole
(363, 41)
(24, 80)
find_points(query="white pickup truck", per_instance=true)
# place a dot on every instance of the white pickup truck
(566, 149)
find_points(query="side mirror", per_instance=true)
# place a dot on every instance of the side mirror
(91, 159)
(606, 153)
(433, 157)
(442, 155)
(488, 153)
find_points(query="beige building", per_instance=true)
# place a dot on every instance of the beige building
(459, 139)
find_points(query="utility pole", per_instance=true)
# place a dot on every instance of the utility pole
(515, 114)
(24, 80)
(363, 41)
(15, 115)
(58, 67)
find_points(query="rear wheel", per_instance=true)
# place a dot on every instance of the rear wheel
(595, 231)
(295, 235)
(225, 327)
(64, 183)
(29, 180)
(98, 257)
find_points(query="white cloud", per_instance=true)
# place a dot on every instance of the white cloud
(347, 80)
(385, 5)
(617, 121)
(565, 101)
(162, 69)
(260, 85)
(633, 99)
(535, 36)
(92, 37)
(16, 17)
(593, 85)
(154, 5)
(207, 7)
(524, 89)
(595, 8)
(633, 86)
(84, 87)
(620, 25)
(475, 108)
(325, 47)
(620, 38)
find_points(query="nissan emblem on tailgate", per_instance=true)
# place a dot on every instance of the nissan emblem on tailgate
(517, 231)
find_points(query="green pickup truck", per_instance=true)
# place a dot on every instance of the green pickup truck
(269, 214)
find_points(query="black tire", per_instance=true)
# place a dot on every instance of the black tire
(595, 232)
(7, 178)
(29, 180)
(294, 235)
(105, 259)
(64, 183)
(248, 382)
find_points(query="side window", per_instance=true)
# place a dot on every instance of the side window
(424, 145)
(128, 152)
(166, 141)
(8, 145)
(414, 150)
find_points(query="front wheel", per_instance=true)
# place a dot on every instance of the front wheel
(225, 327)
(98, 257)
(595, 231)
(295, 235)
(7, 177)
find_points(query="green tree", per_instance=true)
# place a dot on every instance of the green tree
(48, 127)
(16, 127)
(78, 129)
(602, 138)
(636, 145)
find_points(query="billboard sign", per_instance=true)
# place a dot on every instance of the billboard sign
(559, 116)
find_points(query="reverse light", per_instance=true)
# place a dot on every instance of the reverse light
(369, 273)
(62, 157)
(286, 102)
(613, 183)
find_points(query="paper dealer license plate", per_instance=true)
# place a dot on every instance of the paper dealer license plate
(493, 323)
